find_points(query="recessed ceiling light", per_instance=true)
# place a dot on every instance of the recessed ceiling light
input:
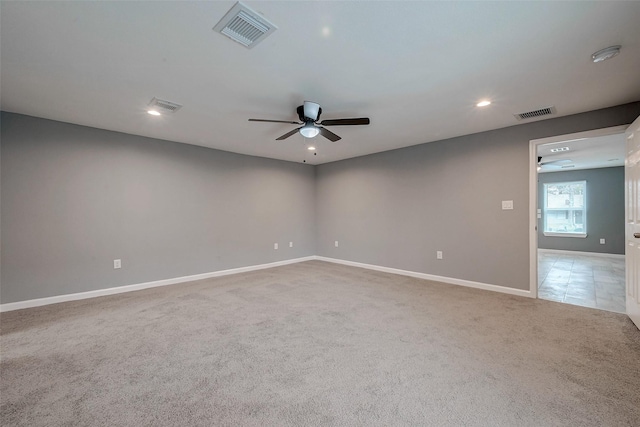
(311, 148)
(483, 103)
(153, 112)
(606, 53)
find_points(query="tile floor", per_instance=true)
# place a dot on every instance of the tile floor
(588, 280)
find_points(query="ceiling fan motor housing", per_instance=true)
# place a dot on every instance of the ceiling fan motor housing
(301, 116)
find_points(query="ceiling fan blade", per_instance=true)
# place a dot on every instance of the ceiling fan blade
(345, 122)
(557, 162)
(311, 110)
(275, 121)
(287, 135)
(329, 135)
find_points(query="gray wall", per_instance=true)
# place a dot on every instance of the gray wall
(397, 208)
(605, 211)
(75, 198)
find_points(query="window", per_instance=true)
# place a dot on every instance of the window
(565, 212)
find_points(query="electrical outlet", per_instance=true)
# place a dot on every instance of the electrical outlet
(438, 254)
(117, 263)
(602, 241)
(336, 243)
(275, 246)
(507, 205)
(290, 244)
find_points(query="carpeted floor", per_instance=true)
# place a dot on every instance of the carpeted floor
(318, 344)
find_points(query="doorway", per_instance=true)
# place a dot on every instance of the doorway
(577, 221)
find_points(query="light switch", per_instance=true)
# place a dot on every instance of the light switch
(507, 204)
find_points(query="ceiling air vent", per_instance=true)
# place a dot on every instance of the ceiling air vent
(245, 26)
(164, 106)
(536, 113)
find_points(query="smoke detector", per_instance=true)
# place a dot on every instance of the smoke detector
(245, 26)
(606, 53)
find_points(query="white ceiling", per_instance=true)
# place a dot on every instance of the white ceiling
(584, 153)
(416, 69)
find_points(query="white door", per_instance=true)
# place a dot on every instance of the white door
(632, 217)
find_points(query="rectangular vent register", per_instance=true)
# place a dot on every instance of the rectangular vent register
(536, 113)
(245, 26)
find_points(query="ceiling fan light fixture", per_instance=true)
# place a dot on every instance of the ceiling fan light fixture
(309, 130)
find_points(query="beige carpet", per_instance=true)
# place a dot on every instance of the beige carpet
(318, 344)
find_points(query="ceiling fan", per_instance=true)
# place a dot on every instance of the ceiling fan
(552, 163)
(309, 114)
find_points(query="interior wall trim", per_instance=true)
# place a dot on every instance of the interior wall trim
(165, 282)
(533, 191)
(433, 277)
(566, 252)
(137, 287)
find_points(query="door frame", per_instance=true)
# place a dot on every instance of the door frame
(533, 192)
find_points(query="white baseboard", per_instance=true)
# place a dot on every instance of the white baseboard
(136, 287)
(165, 282)
(565, 252)
(443, 279)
